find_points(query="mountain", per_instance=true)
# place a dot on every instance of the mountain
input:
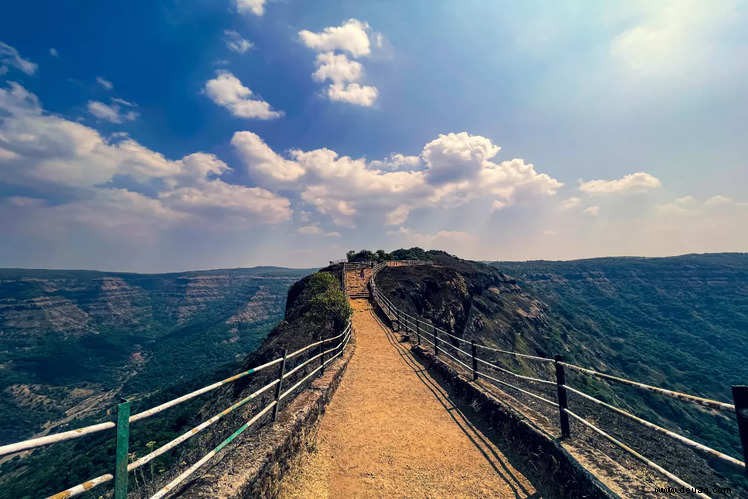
(313, 307)
(678, 322)
(72, 342)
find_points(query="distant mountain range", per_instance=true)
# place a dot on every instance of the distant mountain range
(72, 342)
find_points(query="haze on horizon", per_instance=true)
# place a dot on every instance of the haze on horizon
(161, 135)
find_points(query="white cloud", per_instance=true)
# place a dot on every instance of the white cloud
(315, 230)
(218, 198)
(352, 37)
(256, 7)
(110, 112)
(336, 68)
(83, 167)
(9, 56)
(671, 35)
(53, 52)
(456, 156)
(353, 93)
(227, 91)
(235, 42)
(570, 203)
(344, 74)
(452, 241)
(348, 190)
(309, 230)
(592, 210)
(631, 183)
(399, 215)
(398, 161)
(262, 161)
(104, 83)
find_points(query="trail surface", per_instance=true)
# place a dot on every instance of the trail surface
(391, 430)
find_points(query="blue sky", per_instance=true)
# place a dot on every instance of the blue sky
(167, 135)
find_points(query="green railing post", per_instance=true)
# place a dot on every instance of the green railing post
(280, 386)
(123, 447)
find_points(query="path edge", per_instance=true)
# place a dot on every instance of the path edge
(557, 473)
(276, 449)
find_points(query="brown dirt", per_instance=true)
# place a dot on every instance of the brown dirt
(392, 431)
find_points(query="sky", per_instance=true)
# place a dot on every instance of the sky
(165, 135)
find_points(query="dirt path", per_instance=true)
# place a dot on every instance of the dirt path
(391, 431)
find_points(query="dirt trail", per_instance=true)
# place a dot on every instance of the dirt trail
(391, 431)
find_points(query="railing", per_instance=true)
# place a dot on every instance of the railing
(442, 343)
(124, 419)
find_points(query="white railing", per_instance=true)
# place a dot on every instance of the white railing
(122, 467)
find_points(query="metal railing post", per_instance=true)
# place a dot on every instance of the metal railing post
(473, 350)
(563, 402)
(740, 398)
(322, 356)
(123, 447)
(418, 331)
(280, 385)
(436, 339)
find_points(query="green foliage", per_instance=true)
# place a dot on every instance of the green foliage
(328, 307)
(399, 254)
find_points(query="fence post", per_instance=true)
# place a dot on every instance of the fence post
(475, 360)
(740, 398)
(562, 399)
(280, 385)
(123, 447)
(418, 331)
(322, 356)
(435, 338)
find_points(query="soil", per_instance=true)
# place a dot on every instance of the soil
(392, 431)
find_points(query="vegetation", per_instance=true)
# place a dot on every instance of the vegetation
(679, 323)
(399, 254)
(315, 308)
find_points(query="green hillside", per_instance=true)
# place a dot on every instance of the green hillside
(72, 342)
(679, 323)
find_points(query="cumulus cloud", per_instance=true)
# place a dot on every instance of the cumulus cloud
(46, 152)
(633, 182)
(9, 56)
(256, 7)
(592, 210)
(456, 156)
(108, 85)
(227, 91)
(398, 161)
(343, 73)
(353, 93)
(235, 42)
(347, 190)
(352, 37)
(262, 161)
(336, 68)
(399, 215)
(112, 113)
